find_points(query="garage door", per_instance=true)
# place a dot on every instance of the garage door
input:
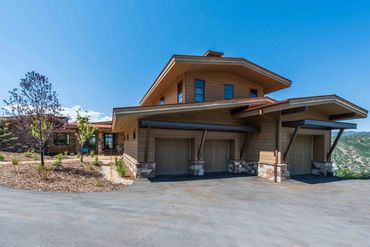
(172, 156)
(300, 156)
(216, 155)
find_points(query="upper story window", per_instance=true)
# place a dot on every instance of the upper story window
(228, 91)
(199, 91)
(61, 139)
(253, 93)
(161, 101)
(179, 92)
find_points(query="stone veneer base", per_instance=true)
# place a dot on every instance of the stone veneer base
(146, 169)
(196, 167)
(322, 168)
(242, 166)
(267, 171)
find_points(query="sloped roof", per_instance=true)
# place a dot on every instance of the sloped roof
(179, 64)
(329, 104)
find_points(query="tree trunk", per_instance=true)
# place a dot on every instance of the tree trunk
(82, 155)
(42, 156)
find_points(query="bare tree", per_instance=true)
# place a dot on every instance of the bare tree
(36, 109)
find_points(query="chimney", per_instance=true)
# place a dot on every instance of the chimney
(210, 53)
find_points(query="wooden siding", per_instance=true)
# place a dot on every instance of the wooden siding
(214, 86)
(130, 145)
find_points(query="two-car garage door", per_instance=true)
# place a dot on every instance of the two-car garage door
(173, 156)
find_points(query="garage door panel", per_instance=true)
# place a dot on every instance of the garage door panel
(172, 156)
(300, 156)
(216, 155)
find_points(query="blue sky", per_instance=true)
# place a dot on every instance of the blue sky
(104, 54)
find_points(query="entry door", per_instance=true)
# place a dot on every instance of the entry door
(172, 156)
(300, 156)
(216, 155)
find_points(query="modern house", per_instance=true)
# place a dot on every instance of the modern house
(210, 114)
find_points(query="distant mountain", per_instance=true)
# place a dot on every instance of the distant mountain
(353, 150)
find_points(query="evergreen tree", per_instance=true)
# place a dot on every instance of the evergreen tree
(6, 136)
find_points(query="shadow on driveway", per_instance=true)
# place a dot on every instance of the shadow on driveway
(180, 178)
(312, 179)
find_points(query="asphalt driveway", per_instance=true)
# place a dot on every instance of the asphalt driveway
(240, 211)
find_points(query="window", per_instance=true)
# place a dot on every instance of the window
(61, 139)
(92, 140)
(108, 141)
(228, 91)
(179, 92)
(199, 91)
(161, 101)
(253, 93)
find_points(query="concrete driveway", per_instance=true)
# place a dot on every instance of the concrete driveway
(240, 211)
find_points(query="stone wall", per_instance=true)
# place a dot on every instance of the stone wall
(197, 167)
(130, 163)
(322, 168)
(243, 166)
(267, 171)
(146, 169)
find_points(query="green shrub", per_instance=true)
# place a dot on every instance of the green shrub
(58, 159)
(2, 158)
(28, 154)
(92, 153)
(66, 153)
(15, 162)
(347, 172)
(120, 168)
(42, 171)
(96, 161)
(72, 154)
(78, 155)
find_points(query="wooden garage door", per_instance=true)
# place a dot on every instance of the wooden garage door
(300, 156)
(216, 155)
(172, 156)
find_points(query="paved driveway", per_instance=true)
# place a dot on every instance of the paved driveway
(241, 211)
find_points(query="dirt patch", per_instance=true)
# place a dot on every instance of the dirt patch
(70, 177)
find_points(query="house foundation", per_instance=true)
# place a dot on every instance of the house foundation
(270, 171)
(243, 166)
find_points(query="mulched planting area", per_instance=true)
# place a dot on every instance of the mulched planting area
(69, 177)
(9, 156)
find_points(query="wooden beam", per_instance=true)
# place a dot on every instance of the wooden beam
(197, 126)
(292, 139)
(328, 157)
(242, 150)
(319, 124)
(147, 143)
(294, 110)
(202, 144)
(342, 116)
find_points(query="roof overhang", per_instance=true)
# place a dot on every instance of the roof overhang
(196, 126)
(318, 124)
(122, 117)
(180, 64)
(334, 106)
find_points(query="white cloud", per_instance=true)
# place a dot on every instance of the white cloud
(95, 116)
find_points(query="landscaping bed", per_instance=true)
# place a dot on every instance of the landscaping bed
(68, 177)
(28, 156)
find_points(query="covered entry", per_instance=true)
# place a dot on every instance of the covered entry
(216, 155)
(300, 150)
(172, 156)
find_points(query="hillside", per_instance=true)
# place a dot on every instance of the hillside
(353, 150)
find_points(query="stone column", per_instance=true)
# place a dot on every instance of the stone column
(267, 171)
(196, 167)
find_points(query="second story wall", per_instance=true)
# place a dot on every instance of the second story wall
(214, 86)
